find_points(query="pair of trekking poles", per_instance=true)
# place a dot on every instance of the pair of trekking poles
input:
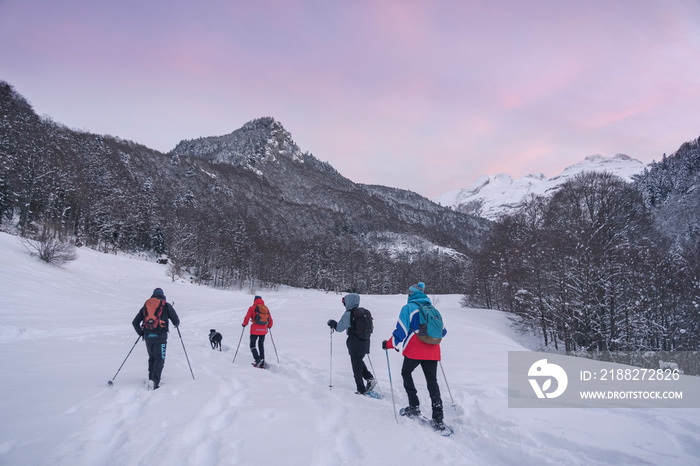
(239, 344)
(391, 385)
(111, 381)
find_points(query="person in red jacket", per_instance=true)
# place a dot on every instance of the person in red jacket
(261, 320)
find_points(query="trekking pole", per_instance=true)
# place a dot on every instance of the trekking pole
(391, 385)
(448, 385)
(111, 381)
(239, 344)
(373, 372)
(330, 385)
(273, 345)
(183, 348)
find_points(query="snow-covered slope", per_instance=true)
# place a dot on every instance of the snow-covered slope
(64, 332)
(492, 196)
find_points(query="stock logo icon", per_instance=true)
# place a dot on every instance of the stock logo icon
(544, 372)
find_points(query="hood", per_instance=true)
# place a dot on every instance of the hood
(351, 301)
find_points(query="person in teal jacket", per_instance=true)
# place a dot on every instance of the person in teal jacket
(417, 353)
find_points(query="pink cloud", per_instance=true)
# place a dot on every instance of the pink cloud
(610, 116)
(405, 23)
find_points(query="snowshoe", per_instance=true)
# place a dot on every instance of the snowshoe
(438, 426)
(371, 394)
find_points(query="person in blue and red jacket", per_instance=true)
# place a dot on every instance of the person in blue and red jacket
(258, 330)
(417, 353)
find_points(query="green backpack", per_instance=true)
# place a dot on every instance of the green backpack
(430, 328)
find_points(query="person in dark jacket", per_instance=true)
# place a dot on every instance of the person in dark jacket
(258, 330)
(357, 347)
(151, 323)
(416, 353)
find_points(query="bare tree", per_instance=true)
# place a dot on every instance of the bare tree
(50, 248)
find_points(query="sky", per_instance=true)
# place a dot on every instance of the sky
(421, 95)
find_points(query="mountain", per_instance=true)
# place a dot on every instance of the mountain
(244, 208)
(258, 141)
(273, 170)
(493, 196)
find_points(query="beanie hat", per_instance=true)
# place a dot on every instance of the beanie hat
(256, 297)
(417, 288)
(158, 293)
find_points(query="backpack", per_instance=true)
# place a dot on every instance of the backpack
(362, 322)
(430, 327)
(152, 314)
(262, 315)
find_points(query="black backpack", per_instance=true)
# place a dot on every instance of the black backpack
(361, 322)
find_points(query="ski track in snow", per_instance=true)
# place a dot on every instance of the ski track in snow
(64, 331)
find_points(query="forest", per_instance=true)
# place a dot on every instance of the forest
(591, 267)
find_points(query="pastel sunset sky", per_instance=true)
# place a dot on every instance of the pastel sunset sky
(423, 95)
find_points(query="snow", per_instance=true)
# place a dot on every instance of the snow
(397, 245)
(493, 196)
(64, 332)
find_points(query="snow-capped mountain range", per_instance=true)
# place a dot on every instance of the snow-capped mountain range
(492, 196)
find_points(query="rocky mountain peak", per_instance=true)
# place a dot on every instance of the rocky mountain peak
(259, 141)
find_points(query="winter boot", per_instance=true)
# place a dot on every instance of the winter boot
(256, 356)
(437, 425)
(371, 384)
(411, 411)
(437, 421)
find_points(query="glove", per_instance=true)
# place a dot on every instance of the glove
(140, 332)
(243, 325)
(332, 324)
(384, 345)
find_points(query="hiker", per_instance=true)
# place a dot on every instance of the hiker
(417, 353)
(261, 320)
(357, 343)
(151, 323)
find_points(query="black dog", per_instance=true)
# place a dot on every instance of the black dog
(215, 339)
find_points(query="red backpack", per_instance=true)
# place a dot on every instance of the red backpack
(152, 314)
